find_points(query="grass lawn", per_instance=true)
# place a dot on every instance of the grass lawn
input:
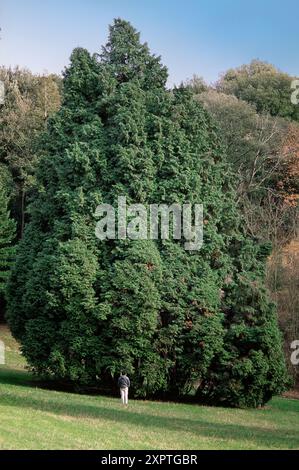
(35, 418)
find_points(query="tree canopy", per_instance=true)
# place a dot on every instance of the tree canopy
(262, 85)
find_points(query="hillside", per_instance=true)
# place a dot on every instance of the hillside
(35, 418)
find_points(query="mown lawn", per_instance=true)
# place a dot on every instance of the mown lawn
(35, 418)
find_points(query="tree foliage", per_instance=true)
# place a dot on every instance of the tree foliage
(262, 151)
(29, 101)
(7, 236)
(262, 85)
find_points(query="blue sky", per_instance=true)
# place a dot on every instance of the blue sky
(203, 37)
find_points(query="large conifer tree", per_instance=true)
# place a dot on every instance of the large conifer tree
(176, 320)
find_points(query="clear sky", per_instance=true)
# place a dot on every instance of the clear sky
(203, 37)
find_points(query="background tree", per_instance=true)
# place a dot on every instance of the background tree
(252, 140)
(262, 85)
(262, 162)
(29, 101)
(283, 272)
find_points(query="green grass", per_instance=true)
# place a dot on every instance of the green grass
(35, 418)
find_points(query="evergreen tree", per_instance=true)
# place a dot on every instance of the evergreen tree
(7, 235)
(85, 309)
(250, 368)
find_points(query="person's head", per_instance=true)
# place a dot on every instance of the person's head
(123, 373)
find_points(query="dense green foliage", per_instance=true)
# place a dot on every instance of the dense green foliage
(7, 236)
(262, 85)
(85, 309)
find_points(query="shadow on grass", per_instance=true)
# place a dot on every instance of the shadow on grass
(198, 426)
(22, 378)
(26, 379)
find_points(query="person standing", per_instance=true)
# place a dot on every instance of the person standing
(124, 384)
